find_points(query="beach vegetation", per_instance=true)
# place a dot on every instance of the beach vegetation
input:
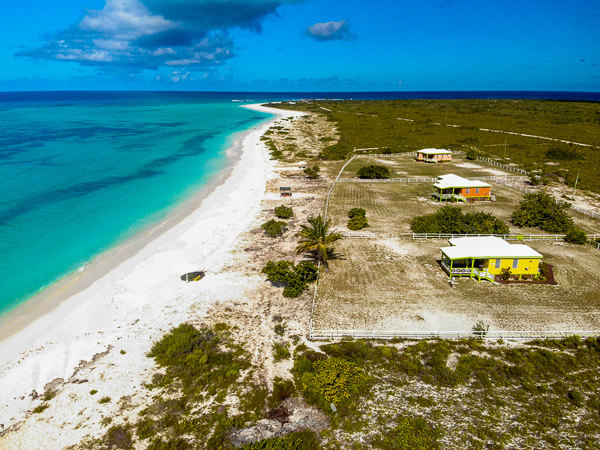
(279, 329)
(49, 395)
(374, 171)
(358, 219)
(471, 154)
(410, 433)
(280, 351)
(542, 210)
(451, 219)
(274, 228)
(317, 238)
(576, 236)
(312, 172)
(293, 277)
(300, 440)
(282, 390)
(122, 352)
(93, 392)
(105, 399)
(564, 153)
(284, 212)
(40, 408)
(118, 436)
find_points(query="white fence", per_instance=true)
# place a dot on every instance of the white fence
(503, 166)
(391, 334)
(446, 236)
(506, 180)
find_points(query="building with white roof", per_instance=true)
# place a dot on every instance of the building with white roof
(434, 155)
(485, 257)
(455, 188)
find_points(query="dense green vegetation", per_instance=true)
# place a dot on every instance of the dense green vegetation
(358, 219)
(294, 278)
(303, 440)
(284, 212)
(274, 228)
(368, 124)
(451, 219)
(541, 210)
(374, 171)
(312, 172)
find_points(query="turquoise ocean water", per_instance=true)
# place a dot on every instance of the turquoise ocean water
(80, 173)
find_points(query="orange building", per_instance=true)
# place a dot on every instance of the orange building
(454, 188)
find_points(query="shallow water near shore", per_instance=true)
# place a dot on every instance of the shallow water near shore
(82, 173)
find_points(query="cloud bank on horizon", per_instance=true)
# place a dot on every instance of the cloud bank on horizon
(135, 35)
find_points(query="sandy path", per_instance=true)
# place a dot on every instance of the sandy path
(120, 315)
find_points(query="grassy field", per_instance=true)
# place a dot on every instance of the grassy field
(391, 284)
(456, 124)
(391, 206)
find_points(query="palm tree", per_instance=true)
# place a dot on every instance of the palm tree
(316, 238)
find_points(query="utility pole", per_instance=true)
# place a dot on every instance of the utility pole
(576, 180)
(505, 148)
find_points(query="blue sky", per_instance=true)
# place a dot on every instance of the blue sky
(300, 45)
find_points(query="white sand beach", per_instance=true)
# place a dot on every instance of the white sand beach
(94, 332)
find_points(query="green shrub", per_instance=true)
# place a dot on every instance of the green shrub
(105, 399)
(358, 223)
(295, 278)
(471, 154)
(411, 433)
(451, 219)
(301, 440)
(576, 236)
(282, 390)
(354, 212)
(274, 228)
(38, 409)
(505, 274)
(541, 210)
(279, 329)
(93, 391)
(281, 351)
(312, 172)
(284, 212)
(374, 171)
(333, 380)
(49, 395)
(118, 436)
(563, 153)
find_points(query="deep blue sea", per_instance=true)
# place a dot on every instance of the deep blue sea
(82, 171)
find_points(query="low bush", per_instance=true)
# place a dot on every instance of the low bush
(505, 274)
(281, 351)
(295, 278)
(451, 219)
(411, 433)
(274, 228)
(354, 212)
(284, 212)
(541, 210)
(118, 436)
(563, 153)
(332, 380)
(282, 390)
(358, 223)
(300, 440)
(471, 154)
(105, 399)
(374, 171)
(38, 409)
(312, 172)
(576, 236)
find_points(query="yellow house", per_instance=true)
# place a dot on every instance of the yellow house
(486, 257)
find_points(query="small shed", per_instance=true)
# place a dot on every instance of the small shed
(434, 155)
(454, 188)
(285, 191)
(486, 257)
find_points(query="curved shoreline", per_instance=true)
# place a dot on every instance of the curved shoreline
(50, 297)
(134, 292)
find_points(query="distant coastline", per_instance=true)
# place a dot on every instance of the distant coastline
(58, 96)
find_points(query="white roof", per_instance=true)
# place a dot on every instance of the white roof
(450, 180)
(487, 247)
(434, 151)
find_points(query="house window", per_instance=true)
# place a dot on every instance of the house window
(497, 265)
(467, 191)
(515, 263)
(477, 190)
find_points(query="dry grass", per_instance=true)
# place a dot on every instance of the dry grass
(392, 284)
